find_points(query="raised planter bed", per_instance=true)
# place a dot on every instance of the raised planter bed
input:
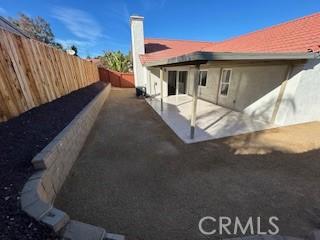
(21, 139)
(54, 163)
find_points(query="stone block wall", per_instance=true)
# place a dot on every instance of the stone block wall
(54, 163)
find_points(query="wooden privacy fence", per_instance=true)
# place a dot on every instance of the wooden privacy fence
(33, 73)
(117, 79)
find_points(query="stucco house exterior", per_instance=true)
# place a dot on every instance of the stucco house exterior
(272, 74)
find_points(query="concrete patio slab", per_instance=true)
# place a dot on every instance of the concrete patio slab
(213, 121)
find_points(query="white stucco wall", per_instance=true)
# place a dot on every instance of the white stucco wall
(258, 89)
(256, 82)
(302, 95)
(248, 87)
(190, 81)
(301, 99)
(137, 46)
(154, 81)
(209, 92)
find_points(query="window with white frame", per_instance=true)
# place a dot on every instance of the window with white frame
(203, 78)
(225, 81)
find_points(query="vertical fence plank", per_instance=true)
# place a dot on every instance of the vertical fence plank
(11, 86)
(26, 59)
(22, 85)
(33, 73)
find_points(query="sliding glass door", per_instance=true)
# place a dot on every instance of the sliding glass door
(183, 75)
(177, 82)
(172, 83)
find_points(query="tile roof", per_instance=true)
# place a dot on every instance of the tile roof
(157, 49)
(299, 35)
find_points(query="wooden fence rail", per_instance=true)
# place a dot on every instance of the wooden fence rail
(33, 73)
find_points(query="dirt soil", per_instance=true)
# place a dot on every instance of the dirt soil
(21, 138)
(135, 177)
(298, 138)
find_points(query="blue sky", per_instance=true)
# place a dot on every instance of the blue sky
(95, 26)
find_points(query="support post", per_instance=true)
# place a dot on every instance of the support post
(177, 83)
(161, 87)
(281, 94)
(194, 100)
(149, 83)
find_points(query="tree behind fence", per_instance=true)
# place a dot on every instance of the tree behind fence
(33, 73)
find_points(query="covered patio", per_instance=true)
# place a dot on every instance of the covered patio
(194, 119)
(212, 121)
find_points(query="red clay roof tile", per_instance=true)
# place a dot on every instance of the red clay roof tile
(299, 35)
(157, 49)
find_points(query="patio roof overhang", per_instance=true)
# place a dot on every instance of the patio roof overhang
(197, 58)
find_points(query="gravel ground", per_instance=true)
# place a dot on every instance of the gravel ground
(135, 177)
(21, 139)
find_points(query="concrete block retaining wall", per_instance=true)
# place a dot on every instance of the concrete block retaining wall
(54, 163)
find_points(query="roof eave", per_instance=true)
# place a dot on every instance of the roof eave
(202, 57)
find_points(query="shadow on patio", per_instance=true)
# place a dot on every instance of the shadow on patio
(213, 121)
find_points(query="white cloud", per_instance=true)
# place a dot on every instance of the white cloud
(84, 47)
(79, 22)
(66, 43)
(3, 12)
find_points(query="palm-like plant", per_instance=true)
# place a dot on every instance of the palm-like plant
(117, 61)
